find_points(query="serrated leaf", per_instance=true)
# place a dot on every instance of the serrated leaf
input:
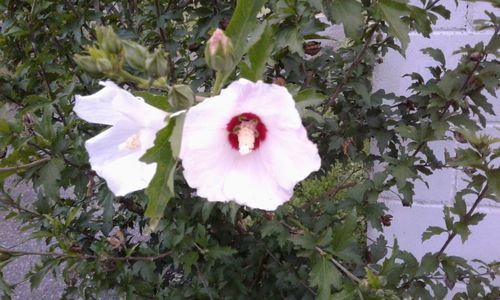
(206, 210)
(432, 231)
(188, 260)
(350, 14)
(435, 53)
(242, 22)
(50, 174)
(494, 182)
(391, 11)
(218, 252)
(108, 212)
(161, 187)
(146, 269)
(258, 55)
(428, 265)
(323, 275)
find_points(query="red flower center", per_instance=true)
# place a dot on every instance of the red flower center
(245, 132)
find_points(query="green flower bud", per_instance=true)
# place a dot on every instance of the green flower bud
(157, 64)
(108, 40)
(96, 53)
(219, 52)
(87, 64)
(181, 97)
(135, 55)
(104, 65)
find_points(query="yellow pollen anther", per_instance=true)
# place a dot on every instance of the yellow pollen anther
(246, 137)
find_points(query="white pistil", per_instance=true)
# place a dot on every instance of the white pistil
(133, 142)
(246, 137)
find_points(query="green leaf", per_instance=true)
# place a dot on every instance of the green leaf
(188, 260)
(244, 19)
(431, 231)
(206, 210)
(435, 53)
(108, 213)
(350, 14)
(146, 269)
(429, 264)
(373, 279)
(494, 181)
(258, 55)
(218, 252)
(161, 187)
(5, 287)
(305, 241)
(158, 101)
(391, 11)
(50, 174)
(323, 275)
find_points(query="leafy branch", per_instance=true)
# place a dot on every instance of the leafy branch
(86, 256)
(451, 236)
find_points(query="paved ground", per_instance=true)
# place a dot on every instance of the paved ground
(11, 236)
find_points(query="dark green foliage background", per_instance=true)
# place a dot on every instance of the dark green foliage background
(201, 250)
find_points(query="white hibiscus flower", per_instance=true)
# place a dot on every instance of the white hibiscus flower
(114, 154)
(248, 145)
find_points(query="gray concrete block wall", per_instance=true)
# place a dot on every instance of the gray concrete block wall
(410, 222)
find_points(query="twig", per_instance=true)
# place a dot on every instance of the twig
(26, 166)
(349, 72)
(339, 265)
(480, 197)
(86, 256)
(8, 199)
(158, 15)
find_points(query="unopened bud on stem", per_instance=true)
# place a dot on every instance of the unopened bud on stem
(157, 64)
(108, 40)
(219, 52)
(135, 55)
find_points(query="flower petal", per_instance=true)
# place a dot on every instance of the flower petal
(206, 170)
(205, 124)
(98, 107)
(249, 183)
(289, 155)
(272, 103)
(118, 165)
(112, 104)
(127, 174)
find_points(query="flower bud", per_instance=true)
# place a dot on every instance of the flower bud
(219, 52)
(135, 55)
(181, 97)
(104, 65)
(87, 64)
(108, 40)
(157, 63)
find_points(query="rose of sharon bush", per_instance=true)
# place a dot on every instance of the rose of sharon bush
(247, 144)
(114, 154)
